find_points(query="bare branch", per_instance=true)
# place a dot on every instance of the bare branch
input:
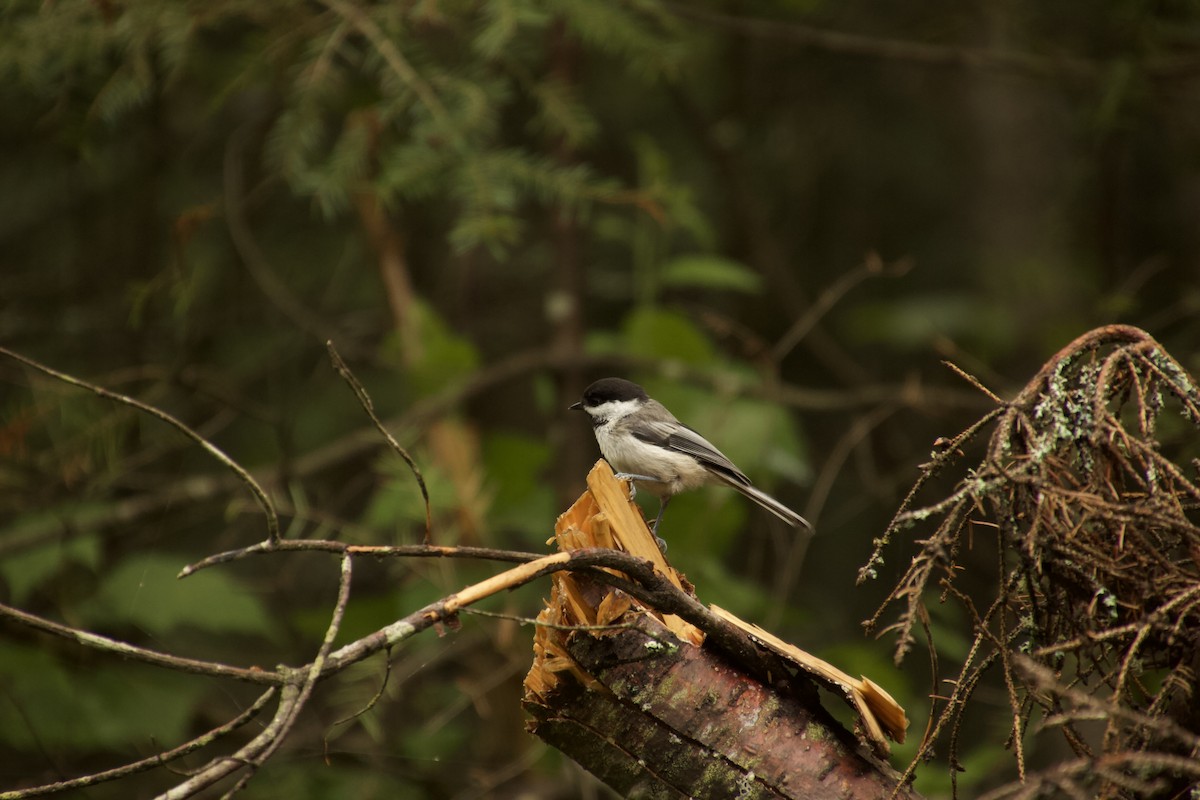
(1095, 534)
(243, 475)
(151, 762)
(313, 672)
(368, 406)
(223, 766)
(872, 266)
(920, 53)
(124, 650)
(377, 551)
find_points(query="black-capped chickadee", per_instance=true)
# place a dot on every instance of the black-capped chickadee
(644, 443)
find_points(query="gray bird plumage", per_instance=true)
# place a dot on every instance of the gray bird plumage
(644, 441)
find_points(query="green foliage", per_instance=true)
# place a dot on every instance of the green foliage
(911, 323)
(331, 178)
(25, 571)
(437, 355)
(517, 465)
(658, 333)
(425, 126)
(710, 272)
(640, 33)
(561, 114)
(105, 706)
(397, 509)
(143, 591)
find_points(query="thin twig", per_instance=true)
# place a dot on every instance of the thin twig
(314, 669)
(921, 53)
(223, 766)
(147, 656)
(368, 406)
(245, 477)
(375, 698)
(971, 379)
(151, 762)
(872, 266)
(376, 551)
(557, 626)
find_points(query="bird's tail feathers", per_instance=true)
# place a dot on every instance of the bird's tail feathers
(774, 506)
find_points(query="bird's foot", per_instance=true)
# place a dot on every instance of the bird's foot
(629, 476)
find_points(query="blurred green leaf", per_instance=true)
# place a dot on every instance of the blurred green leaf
(25, 570)
(105, 706)
(913, 322)
(397, 505)
(363, 615)
(656, 333)
(703, 271)
(317, 779)
(439, 355)
(949, 629)
(522, 495)
(143, 591)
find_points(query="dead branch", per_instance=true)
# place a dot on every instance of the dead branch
(369, 407)
(690, 704)
(154, 761)
(1094, 514)
(1029, 64)
(242, 474)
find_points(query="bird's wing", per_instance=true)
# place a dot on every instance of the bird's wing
(682, 439)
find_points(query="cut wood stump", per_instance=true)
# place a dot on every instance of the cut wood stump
(646, 701)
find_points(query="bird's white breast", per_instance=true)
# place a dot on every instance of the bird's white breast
(676, 472)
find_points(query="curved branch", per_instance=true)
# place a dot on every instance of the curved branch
(145, 655)
(243, 475)
(378, 551)
(313, 672)
(368, 406)
(144, 764)
(920, 53)
(224, 766)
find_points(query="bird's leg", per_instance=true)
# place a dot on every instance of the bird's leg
(662, 503)
(629, 476)
(662, 508)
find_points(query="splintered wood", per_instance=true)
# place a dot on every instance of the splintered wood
(603, 516)
(633, 696)
(878, 713)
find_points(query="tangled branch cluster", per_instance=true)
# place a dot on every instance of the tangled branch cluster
(1094, 624)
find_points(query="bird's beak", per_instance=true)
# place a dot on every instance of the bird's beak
(576, 406)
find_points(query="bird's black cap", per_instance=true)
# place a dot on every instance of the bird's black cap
(610, 390)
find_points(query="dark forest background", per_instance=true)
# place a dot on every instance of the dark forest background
(780, 217)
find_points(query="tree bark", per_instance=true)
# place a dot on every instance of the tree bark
(648, 703)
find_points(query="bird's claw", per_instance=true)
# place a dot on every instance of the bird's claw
(632, 478)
